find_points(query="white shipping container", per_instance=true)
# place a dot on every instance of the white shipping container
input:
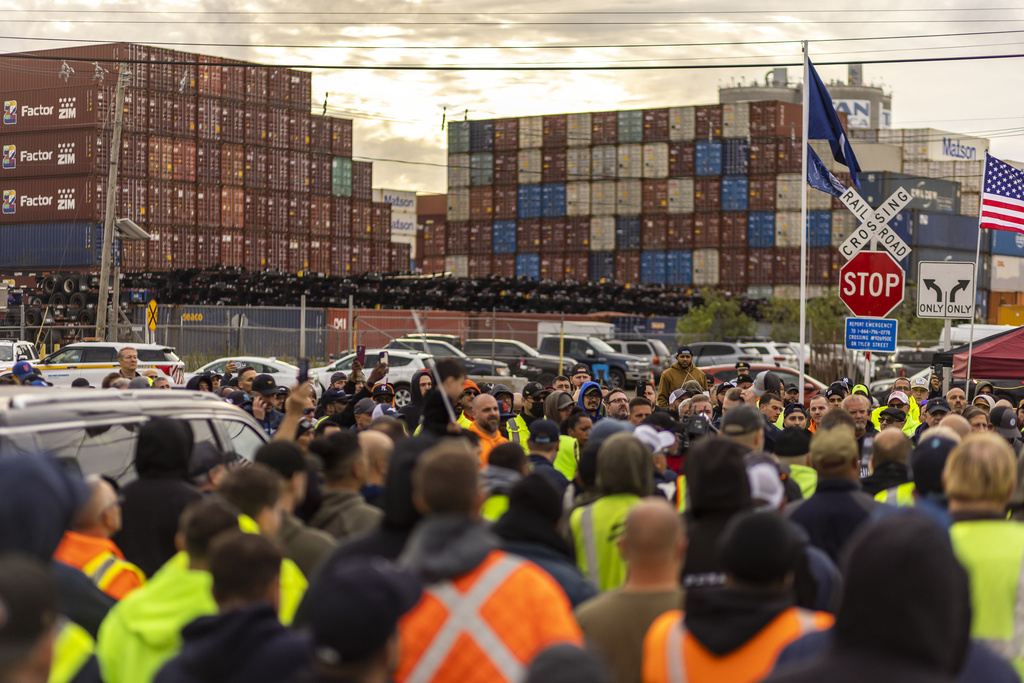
(970, 204)
(705, 266)
(530, 165)
(918, 169)
(1006, 273)
(458, 204)
(790, 292)
(681, 123)
(843, 225)
(458, 266)
(602, 198)
(760, 291)
(458, 170)
(878, 157)
(531, 132)
(578, 130)
(824, 152)
(787, 229)
(656, 160)
(969, 175)
(946, 170)
(736, 120)
(403, 224)
(577, 163)
(631, 161)
(629, 200)
(942, 145)
(604, 162)
(577, 199)
(680, 195)
(890, 136)
(602, 233)
(788, 187)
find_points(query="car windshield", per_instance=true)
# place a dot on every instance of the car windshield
(6, 354)
(602, 346)
(660, 348)
(785, 349)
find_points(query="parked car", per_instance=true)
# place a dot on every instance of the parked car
(96, 360)
(721, 353)
(654, 350)
(906, 361)
(442, 349)
(522, 360)
(283, 373)
(772, 353)
(97, 430)
(595, 353)
(453, 339)
(402, 365)
(725, 373)
(13, 351)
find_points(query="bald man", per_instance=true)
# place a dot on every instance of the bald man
(378, 447)
(87, 546)
(653, 544)
(487, 424)
(957, 423)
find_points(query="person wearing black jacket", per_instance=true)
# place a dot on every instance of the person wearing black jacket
(347, 418)
(435, 418)
(889, 453)
(422, 382)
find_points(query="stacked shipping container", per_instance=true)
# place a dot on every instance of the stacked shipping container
(220, 161)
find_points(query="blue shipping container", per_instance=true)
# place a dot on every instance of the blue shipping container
(602, 266)
(53, 245)
(627, 232)
(952, 231)
(481, 136)
(735, 156)
(529, 201)
(553, 200)
(528, 265)
(652, 267)
(678, 267)
(708, 158)
(761, 229)
(504, 241)
(819, 224)
(929, 194)
(734, 193)
(1006, 243)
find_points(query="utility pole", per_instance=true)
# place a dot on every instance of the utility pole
(102, 330)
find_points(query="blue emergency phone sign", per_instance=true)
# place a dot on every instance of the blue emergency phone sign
(871, 334)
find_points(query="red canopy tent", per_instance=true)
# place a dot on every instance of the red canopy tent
(1000, 356)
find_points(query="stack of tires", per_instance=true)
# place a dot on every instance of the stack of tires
(62, 299)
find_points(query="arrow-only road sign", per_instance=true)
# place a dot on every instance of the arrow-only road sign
(871, 284)
(945, 289)
(875, 224)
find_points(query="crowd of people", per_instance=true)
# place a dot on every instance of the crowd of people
(689, 531)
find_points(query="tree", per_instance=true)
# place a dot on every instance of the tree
(717, 317)
(784, 315)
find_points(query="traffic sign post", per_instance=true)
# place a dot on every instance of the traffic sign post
(945, 289)
(871, 334)
(874, 228)
(151, 320)
(871, 285)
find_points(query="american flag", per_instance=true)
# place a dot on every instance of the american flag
(1002, 198)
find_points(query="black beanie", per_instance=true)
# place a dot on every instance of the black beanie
(792, 441)
(758, 548)
(536, 493)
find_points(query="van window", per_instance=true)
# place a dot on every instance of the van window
(245, 441)
(99, 354)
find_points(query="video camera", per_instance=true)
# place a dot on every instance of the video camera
(691, 428)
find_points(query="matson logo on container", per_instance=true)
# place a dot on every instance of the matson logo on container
(952, 147)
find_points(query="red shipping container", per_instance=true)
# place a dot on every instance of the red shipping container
(434, 235)
(552, 267)
(184, 160)
(577, 266)
(186, 72)
(159, 250)
(761, 193)
(577, 233)
(381, 262)
(183, 197)
(789, 156)
(627, 267)
(380, 222)
(503, 265)
(300, 91)
(506, 168)
(232, 80)
(845, 179)
(134, 155)
(185, 112)
(61, 152)
(256, 121)
(604, 128)
(254, 256)
(255, 175)
(208, 161)
(207, 248)
(323, 255)
(734, 229)
(480, 237)
(822, 265)
(319, 134)
(136, 109)
(708, 122)
(134, 256)
(210, 118)
(656, 125)
(256, 83)
(732, 268)
(298, 131)
(707, 194)
(319, 215)
(506, 135)
(480, 266)
(320, 173)
(362, 219)
(208, 206)
(506, 200)
(232, 165)
(679, 232)
(299, 167)
(161, 68)
(554, 132)
(298, 214)
(680, 159)
(232, 207)
(209, 78)
(481, 203)
(278, 170)
(24, 73)
(527, 235)
(277, 251)
(232, 127)
(362, 180)
(161, 203)
(764, 156)
(182, 246)
(552, 234)
(134, 200)
(277, 212)
(654, 233)
(774, 118)
(432, 264)
(458, 237)
(277, 127)
(277, 86)
(706, 230)
(341, 137)
(55, 108)
(761, 266)
(553, 165)
(161, 113)
(341, 217)
(787, 266)
(655, 196)
(255, 211)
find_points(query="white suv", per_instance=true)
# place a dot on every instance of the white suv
(96, 360)
(402, 365)
(13, 351)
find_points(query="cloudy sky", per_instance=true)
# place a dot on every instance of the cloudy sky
(398, 111)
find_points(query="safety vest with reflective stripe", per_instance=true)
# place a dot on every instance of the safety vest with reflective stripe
(806, 478)
(903, 496)
(595, 530)
(518, 431)
(681, 493)
(494, 507)
(472, 628)
(568, 457)
(672, 655)
(71, 650)
(106, 567)
(992, 552)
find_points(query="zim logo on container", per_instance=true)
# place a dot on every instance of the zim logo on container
(10, 156)
(10, 201)
(10, 111)
(66, 200)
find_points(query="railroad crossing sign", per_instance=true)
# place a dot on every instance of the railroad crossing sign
(151, 315)
(871, 284)
(874, 227)
(945, 289)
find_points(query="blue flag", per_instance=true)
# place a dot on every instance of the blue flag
(819, 177)
(823, 124)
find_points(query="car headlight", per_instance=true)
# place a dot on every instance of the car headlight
(502, 372)
(635, 365)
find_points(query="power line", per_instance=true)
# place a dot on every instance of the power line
(611, 24)
(533, 13)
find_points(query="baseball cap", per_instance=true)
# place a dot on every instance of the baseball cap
(861, 389)
(22, 369)
(919, 382)
(354, 607)
(140, 382)
(899, 396)
(383, 389)
(534, 390)
(767, 381)
(283, 391)
(894, 413)
(383, 410)
(339, 377)
(833, 447)
(334, 395)
(578, 369)
(766, 489)
(791, 387)
(264, 385)
(676, 395)
(654, 439)
(365, 406)
(1004, 420)
(470, 384)
(937, 405)
(991, 402)
(743, 378)
(740, 420)
(794, 408)
(564, 400)
(692, 387)
(792, 441)
(759, 548)
(28, 606)
(205, 456)
(544, 431)
(927, 461)
(683, 348)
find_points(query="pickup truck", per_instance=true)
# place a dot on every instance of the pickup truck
(622, 370)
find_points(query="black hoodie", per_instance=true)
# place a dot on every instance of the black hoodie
(905, 614)
(152, 504)
(245, 645)
(414, 410)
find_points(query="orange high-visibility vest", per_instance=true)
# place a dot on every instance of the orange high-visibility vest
(485, 626)
(672, 655)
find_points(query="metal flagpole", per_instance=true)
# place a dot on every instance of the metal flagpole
(801, 356)
(977, 270)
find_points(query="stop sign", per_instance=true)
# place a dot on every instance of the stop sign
(871, 284)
